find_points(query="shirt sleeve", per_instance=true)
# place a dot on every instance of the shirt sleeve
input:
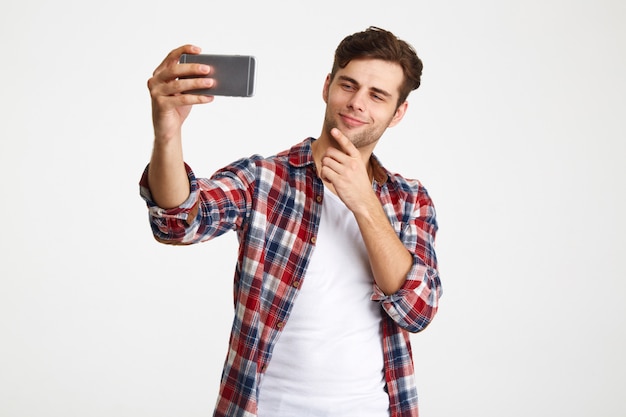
(415, 304)
(215, 205)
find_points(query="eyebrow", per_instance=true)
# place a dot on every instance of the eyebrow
(374, 89)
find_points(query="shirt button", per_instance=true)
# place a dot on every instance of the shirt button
(280, 324)
(313, 239)
(296, 284)
(318, 198)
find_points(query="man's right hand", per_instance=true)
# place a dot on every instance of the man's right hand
(167, 177)
(170, 107)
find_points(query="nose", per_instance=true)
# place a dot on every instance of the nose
(357, 101)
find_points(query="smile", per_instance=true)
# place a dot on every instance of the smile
(351, 121)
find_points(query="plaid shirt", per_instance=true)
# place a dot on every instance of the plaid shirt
(274, 205)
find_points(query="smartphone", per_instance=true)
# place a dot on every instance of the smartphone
(234, 74)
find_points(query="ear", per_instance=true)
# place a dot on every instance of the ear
(400, 112)
(326, 88)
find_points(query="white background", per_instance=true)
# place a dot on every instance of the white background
(517, 132)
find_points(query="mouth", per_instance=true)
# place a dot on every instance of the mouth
(351, 122)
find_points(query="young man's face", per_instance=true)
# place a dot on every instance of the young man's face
(361, 100)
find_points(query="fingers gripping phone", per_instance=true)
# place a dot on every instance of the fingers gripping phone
(234, 74)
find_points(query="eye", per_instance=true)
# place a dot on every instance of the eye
(348, 86)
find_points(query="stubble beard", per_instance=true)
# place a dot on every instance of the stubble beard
(359, 139)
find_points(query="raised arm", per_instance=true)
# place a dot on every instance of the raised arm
(167, 177)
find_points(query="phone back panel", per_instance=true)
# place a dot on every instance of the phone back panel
(234, 74)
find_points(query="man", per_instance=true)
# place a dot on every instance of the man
(336, 263)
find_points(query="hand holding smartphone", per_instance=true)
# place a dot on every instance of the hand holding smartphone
(234, 75)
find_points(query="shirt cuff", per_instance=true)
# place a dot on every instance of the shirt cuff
(182, 211)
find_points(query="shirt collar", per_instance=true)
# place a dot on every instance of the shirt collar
(300, 155)
(380, 173)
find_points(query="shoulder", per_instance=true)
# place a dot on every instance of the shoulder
(294, 158)
(398, 185)
(402, 184)
(256, 166)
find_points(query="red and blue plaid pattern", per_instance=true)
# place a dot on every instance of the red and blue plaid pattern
(274, 206)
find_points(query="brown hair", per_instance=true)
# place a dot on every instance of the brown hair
(378, 43)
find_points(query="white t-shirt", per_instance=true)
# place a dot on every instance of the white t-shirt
(328, 360)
